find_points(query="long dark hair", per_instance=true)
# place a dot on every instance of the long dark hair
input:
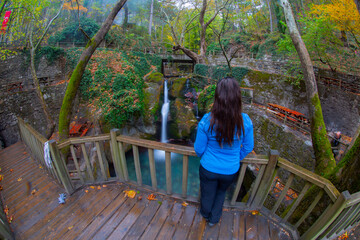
(226, 112)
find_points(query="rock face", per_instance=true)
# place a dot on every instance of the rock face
(145, 126)
(18, 96)
(341, 109)
(183, 121)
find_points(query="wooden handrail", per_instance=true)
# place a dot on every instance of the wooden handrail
(260, 189)
(167, 147)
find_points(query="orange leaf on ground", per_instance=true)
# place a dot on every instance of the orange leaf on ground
(11, 170)
(151, 197)
(184, 204)
(19, 179)
(1, 177)
(130, 193)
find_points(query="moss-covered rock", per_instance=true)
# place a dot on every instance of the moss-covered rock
(184, 122)
(176, 88)
(152, 94)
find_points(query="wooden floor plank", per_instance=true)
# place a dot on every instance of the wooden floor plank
(121, 230)
(242, 225)
(114, 221)
(198, 227)
(107, 213)
(73, 218)
(90, 214)
(157, 222)
(263, 228)
(226, 225)
(251, 227)
(168, 229)
(183, 228)
(102, 218)
(35, 204)
(145, 218)
(63, 211)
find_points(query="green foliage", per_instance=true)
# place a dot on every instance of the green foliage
(269, 46)
(206, 98)
(219, 72)
(71, 32)
(52, 53)
(112, 84)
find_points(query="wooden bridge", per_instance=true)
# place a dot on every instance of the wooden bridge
(97, 208)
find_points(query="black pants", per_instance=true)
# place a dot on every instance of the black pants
(213, 188)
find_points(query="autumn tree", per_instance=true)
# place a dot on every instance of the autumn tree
(73, 85)
(325, 161)
(206, 15)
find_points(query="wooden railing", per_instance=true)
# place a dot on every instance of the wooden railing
(93, 159)
(5, 230)
(35, 141)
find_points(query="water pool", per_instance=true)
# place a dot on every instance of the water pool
(176, 170)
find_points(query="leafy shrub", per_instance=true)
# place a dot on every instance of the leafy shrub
(71, 33)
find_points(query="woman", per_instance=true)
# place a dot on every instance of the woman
(224, 137)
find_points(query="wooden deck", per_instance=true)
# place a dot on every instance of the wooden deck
(104, 212)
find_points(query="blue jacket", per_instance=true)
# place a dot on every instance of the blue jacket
(225, 160)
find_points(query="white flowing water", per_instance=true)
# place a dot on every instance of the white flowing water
(164, 114)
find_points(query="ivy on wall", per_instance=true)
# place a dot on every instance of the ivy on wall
(112, 84)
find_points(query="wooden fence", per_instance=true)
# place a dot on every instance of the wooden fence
(93, 158)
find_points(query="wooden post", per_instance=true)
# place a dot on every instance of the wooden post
(324, 221)
(168, 172)
(152, 169)
(60, 167)
(137, 164)
(116, 154)
(239, 183)
(123, 161)
(266, 181)
(185, 175)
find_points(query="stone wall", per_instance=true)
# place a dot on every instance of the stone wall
(341, 109)
(18, 97)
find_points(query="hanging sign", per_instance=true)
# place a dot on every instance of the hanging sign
(5, 22)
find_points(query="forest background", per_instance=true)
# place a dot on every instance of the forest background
(260, 29)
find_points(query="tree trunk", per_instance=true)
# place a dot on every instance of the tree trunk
(50, 122)
(126, 16)
(195, 57)
(271, 17)
(3, 6)
(151, 16)
(325, 161)
(71, 90)
(346, 175)
(357, 3)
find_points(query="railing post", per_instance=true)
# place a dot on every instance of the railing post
(266, 181)
(116, 154)
(330, 214)
(60, 167)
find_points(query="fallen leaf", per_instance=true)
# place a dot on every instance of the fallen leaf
(104, 185)
(344, 236)
(184, 204)
(19, 179)
(6, 210)
(86, 191)
(1, 188)
(99, 187)
(151, 197)
(11, 170)
(33, 192)
(139, 198)
(255, 212)
(1, 177)
(70, 227)
(24, 153)
(159, 202)
(40, 166)
(92, 187)
(130, 193)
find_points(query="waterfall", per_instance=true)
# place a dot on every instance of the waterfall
(164, 114)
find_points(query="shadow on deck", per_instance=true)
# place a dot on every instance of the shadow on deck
(104, 212)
